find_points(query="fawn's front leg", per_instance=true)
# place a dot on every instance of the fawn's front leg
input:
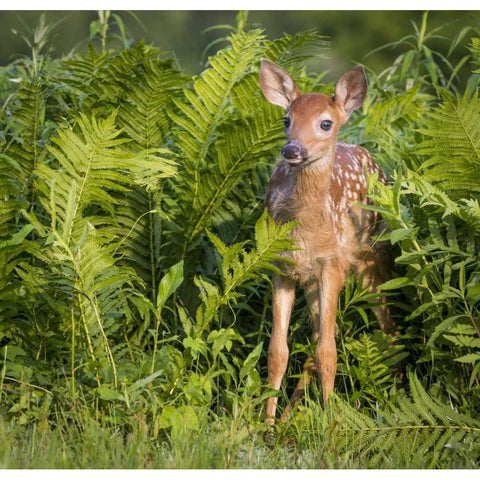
(283, 298)
(312, 296)
(332, 282)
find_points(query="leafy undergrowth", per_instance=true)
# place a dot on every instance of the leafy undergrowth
(415, 432)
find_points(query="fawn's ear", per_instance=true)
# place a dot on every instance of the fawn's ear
(277, 85)
(351, 89)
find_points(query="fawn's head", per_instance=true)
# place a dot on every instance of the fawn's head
(313, 120)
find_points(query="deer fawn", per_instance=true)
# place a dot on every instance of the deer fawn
(317, 184)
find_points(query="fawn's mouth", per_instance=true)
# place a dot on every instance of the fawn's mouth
(305, 162)
(296, 161)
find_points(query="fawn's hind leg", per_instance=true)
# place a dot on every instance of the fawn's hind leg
(375, 267)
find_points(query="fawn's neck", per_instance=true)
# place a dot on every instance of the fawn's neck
(313, 184)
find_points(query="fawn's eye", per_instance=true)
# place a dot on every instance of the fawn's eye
(286, 122)
(326, 125)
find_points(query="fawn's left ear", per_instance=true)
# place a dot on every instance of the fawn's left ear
(351, 90)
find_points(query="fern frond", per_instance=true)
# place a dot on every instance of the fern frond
(239, 266)
(291, 51)
(86, 271)
(200, 114)
(84, 81)
(11, 193)
(23, 149)
(470, 213)
(419, 431)
(139, 85)
(453, 145)
(388, 115)
(241, 146)
(201, 119)
(139, 215)
(80, 247)
(475, 50)
(21, 152)
(91, 168)
(146, 88)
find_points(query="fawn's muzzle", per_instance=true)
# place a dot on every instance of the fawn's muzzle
(294, 152)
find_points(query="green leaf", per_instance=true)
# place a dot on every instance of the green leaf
(196, 345)
(400, 234)
(407, 61)
(144, 381)
(251, 361)
(18, 237)
(169, 284)
(396, 283)
(106, 393)
(469, 358)
(473, 294)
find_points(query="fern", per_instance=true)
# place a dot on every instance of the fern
(291, 51)
(199, 119)
(438, 238)
(389, 116)
(139, 85)
(84, 81)
(466, 337)
(11, 190)
(453, 145)
(25, 129)
(475, 50)
(368, 362)
(205, 106)
(21, 152)
(91, 167)
(225, 144)
(92, 164)
(419, 432)
(146, 88)
(239, 144)
(238, 267)
(86, 272)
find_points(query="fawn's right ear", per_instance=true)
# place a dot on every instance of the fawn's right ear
(277, 85)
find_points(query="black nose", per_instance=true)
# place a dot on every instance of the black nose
(293, 150)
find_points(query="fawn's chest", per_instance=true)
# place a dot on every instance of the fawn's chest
(330, 226)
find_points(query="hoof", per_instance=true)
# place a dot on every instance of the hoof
(269, 435)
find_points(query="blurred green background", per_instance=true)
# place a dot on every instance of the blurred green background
(353, 34)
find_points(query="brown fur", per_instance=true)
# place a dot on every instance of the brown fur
(318, 188)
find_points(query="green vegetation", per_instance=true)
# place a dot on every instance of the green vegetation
(135, 257)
